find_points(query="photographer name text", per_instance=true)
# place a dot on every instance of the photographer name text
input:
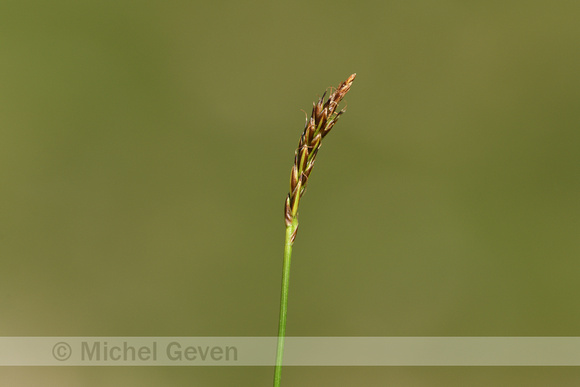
(103, 351)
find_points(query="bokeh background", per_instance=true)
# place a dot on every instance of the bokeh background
(145, 152)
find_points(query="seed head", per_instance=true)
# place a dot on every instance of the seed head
(321, 121)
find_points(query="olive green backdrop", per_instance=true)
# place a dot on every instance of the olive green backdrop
(145, 153)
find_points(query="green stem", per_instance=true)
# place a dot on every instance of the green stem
(284, 300)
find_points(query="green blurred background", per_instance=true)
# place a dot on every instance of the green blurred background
(145, 152)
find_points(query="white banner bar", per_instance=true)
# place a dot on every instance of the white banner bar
(299, 351)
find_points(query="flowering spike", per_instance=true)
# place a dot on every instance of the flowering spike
(321, 121)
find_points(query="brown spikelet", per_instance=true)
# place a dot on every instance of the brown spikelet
(321, 121)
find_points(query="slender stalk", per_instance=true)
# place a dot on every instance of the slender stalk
(324, 116)
(284, 300)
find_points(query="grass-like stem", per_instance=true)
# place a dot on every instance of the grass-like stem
(284, 300)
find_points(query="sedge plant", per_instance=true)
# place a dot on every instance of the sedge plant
(324, 115)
